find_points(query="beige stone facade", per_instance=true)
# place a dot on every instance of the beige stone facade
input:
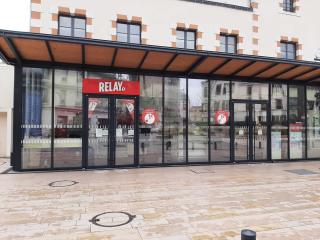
(260, 24)
(6, 109)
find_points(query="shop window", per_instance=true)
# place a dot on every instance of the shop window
(219, 129)
(36, 118)
(297, 122)
(198, 121)
(67, 119)
(72, 26)
(288, 5)
(129, 32)
(313, 121)
(150, 135)
(279, 129)
(254, 91)
(228, 43)
(175, 98)
(186, 39)
(288, 50)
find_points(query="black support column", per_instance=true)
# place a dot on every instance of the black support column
(16, 157)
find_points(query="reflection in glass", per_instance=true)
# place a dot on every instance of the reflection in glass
(67, 119)
(297, 122)
(246, 90)
(124, 132)
(36, 118)
(113, 76)
(279, 130)
(313, 121)
(150, 121)
(259, 131)
(98, 133)
(241, 131)
(219, 121)
(175, 120)
(198, 120)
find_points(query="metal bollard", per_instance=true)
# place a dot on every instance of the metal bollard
(247, 234)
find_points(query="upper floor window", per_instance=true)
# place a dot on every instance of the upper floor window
(129, 32)
(288, 6)
(186, 39)
(228, 43)
(72, 26)
(288, 50)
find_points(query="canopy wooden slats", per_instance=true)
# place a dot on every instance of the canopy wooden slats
(42, 50)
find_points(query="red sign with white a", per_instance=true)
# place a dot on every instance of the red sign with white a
(221, 117)
(149, 116)
(108, 86)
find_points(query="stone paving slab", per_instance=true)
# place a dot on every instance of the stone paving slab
(174, 203)
(5, 165)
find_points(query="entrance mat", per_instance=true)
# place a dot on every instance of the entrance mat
(201, 171)
(302, 172)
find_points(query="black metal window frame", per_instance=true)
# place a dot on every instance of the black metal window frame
(128, 33)
(288, 6)
(284, 45)
(227, 44)
(72, 28)
(17, 133)
(185, 37)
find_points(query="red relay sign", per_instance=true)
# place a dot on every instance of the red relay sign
(108, 86)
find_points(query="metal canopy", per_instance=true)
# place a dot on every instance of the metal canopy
(42, 50)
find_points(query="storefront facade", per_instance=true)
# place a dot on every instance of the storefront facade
(170, 121)
(158, 107)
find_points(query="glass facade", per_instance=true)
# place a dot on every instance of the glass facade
(98, 132)
(198, 120)
(250, 91)
(36, 118)
(279, 129)
(173, 121)
(175, 97)
(297, 122)
(313, 121)
(220, 121)
(150, 131)
(67, 119)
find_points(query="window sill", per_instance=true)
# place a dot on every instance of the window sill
(294, 14)
(221, 4)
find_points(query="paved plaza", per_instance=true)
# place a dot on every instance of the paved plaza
(173, 203)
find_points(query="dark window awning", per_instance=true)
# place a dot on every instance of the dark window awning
(42, 50)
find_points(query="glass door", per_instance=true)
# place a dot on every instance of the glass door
(125, 131)
(250, 130)
(241, 131)
(260, 127)
(98, 132)
(112, 136)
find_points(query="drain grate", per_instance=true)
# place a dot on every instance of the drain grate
(112, 219)
(62, 183)
(302, 172)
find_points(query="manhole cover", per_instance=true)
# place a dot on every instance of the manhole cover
(301, 171)
(112, 219)
(202, 171)
(62, 183)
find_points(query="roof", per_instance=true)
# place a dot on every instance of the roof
(22, 48)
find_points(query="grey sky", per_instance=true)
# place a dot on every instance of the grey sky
(15, 15)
